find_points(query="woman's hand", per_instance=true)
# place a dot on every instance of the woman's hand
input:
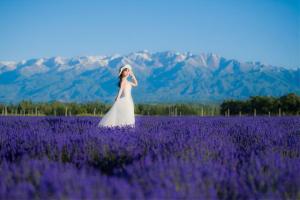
(131, 73)
(133, 78)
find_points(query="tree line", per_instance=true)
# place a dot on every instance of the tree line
(256, 105)
(97, 108)
(288, 104)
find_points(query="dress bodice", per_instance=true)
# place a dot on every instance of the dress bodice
(127, 90)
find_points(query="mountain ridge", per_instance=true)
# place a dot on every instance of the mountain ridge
(165, 76)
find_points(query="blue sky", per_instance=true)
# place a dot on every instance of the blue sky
(247, 30)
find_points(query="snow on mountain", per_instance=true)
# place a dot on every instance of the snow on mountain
(166, 76)
(7, 66)
(140, 56)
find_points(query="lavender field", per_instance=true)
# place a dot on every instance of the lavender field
(162, 158)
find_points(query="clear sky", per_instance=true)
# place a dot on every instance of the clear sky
(247, 30)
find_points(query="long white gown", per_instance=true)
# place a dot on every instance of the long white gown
(122, 111)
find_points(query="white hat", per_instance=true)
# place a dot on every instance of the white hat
(123, 67)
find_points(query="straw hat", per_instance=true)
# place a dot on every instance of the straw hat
(123, 67)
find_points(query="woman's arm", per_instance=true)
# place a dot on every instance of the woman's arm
(134, 83)
(120, 90)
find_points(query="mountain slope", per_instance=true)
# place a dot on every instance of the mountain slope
(163, 77)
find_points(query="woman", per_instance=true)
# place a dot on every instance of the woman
(122, 111)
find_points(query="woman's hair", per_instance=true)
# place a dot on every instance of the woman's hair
(120, 77)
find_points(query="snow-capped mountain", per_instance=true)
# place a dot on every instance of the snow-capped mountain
(166, 76)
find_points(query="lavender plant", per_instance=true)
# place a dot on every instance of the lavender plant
(183, 157)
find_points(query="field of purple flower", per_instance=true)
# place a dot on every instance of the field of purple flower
(162, 158)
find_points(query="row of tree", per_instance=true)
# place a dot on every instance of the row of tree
(261, 105)
(27, 107)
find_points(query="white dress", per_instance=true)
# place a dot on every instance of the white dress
(122, 111)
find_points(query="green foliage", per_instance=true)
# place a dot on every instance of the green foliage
(97, 108)
(290, 102)
(287, 104)
(262, 105)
